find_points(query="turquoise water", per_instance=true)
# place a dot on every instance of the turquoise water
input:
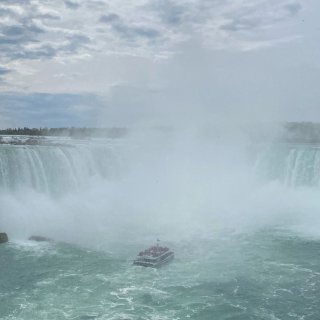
(245, 248)
(270, 274)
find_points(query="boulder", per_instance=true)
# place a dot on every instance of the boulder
(3, 237)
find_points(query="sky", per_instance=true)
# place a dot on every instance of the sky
(158, 62)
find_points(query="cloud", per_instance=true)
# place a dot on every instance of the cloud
(251, 18)
(109, 18)
(96, 5)
(73, 43)
(15, 2)
(44, 51)
(126, 30)
(130, 32)
(3, 72)
(6, 12)
(170, 13)
(293, 8)
(71, 4)
(21, 31)
(64, 30)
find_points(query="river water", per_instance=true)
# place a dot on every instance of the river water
(244, 232)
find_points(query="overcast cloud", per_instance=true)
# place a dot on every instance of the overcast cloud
(97, 62)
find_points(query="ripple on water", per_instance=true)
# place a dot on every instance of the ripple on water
(261, 276)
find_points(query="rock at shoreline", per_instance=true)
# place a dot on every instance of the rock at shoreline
(3, 237)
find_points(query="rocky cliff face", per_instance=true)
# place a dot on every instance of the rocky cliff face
(3, 237)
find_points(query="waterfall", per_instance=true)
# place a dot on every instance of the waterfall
(292, 165)
(56, 169)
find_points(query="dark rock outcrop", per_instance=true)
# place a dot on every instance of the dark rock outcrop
(3, 237)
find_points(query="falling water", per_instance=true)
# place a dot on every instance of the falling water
(236, 229)
(56, 169)
(293, 165)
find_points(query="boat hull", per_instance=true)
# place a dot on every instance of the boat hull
(155, 264)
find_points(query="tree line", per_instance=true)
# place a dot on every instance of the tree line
(114, 132)
(294, 132)
(301, 132)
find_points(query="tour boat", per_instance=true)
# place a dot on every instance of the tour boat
(155, 257)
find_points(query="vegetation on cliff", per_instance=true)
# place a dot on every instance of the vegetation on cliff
(301, 132)
(293, 132)
(115, 132)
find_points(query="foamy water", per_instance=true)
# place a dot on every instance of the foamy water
(244, 231)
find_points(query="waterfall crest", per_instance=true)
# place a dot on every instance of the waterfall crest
(56, 169)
